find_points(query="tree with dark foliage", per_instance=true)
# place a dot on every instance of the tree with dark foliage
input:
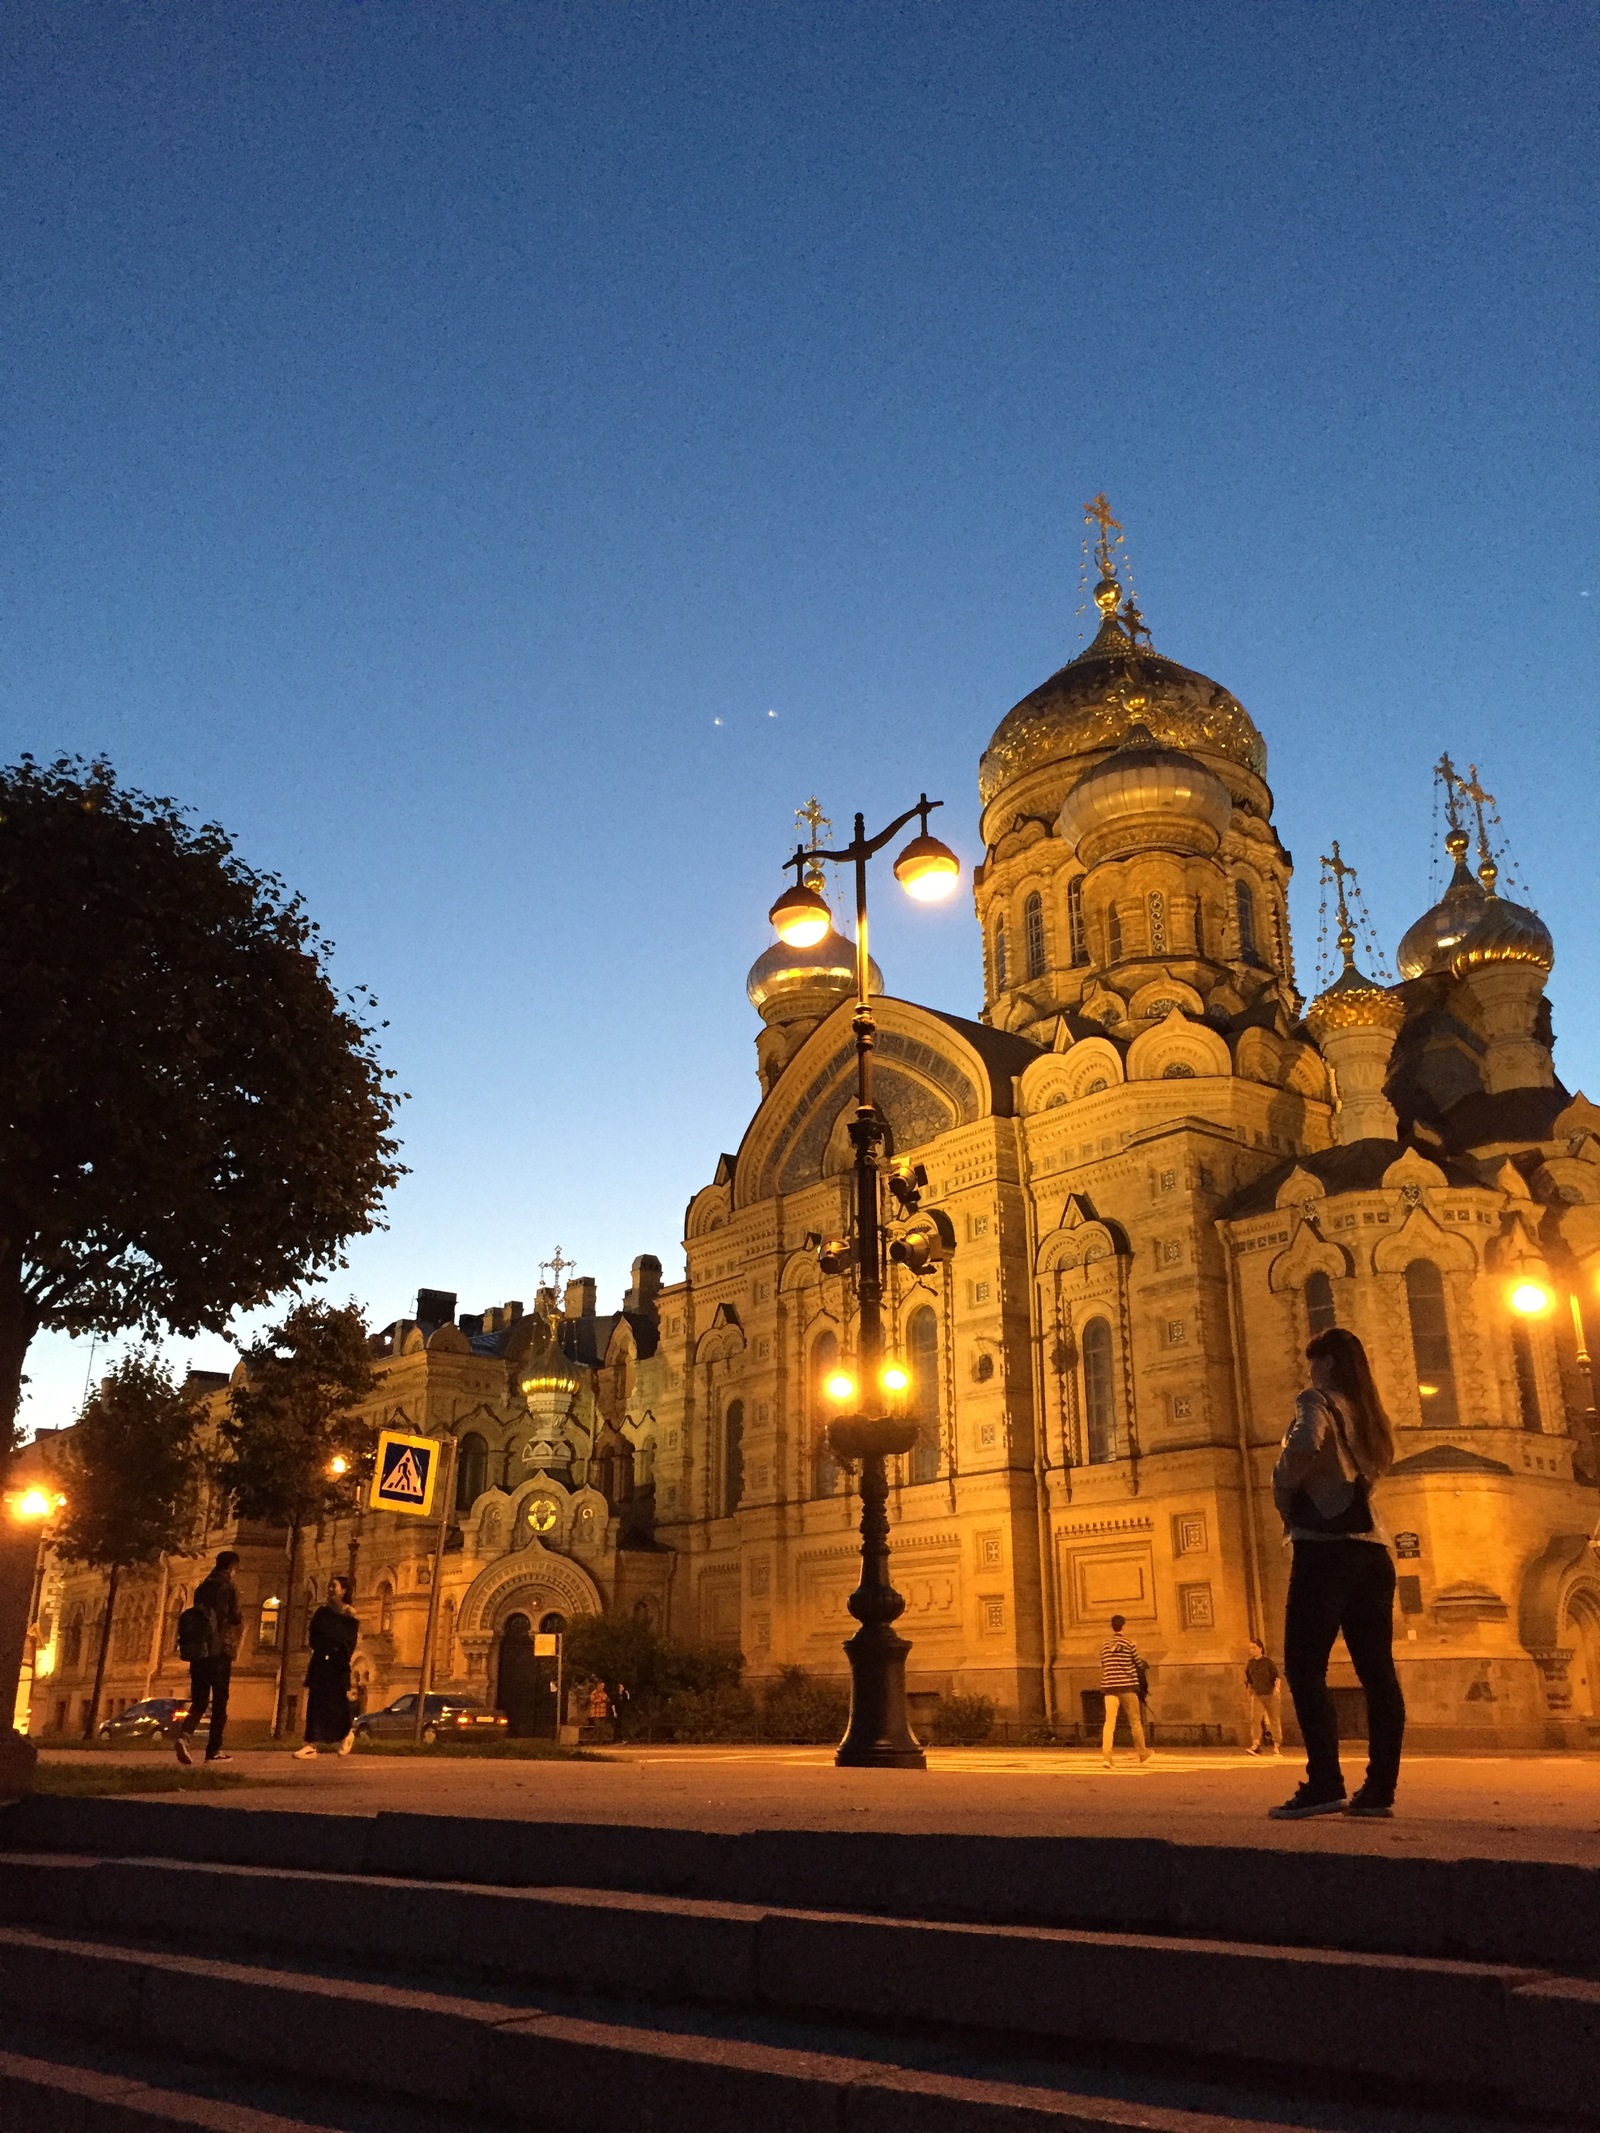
(296, 1450)
(192, 1120)
(132, 1474)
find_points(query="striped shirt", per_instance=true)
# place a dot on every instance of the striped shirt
(1119, 1664)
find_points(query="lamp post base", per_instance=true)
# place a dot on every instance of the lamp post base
(879, 1735)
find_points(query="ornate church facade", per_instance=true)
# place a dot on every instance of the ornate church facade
(1164, 1171)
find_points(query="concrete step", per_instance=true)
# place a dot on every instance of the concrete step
(57, 2095)
(506, 2061)
(1492, 2032)
(1292, 1892)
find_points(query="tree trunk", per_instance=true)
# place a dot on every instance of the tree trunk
(286, 1632)
(19, 1322)
(105, 1646)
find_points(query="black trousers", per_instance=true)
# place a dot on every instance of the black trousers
(1344, 1586)
(208, 1684)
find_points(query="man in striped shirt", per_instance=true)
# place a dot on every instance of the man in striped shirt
(1119, 1677)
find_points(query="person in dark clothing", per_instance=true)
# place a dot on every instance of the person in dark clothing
(1339, 1443)
(1265, 1699)
(217, 1599)
(333, 1634)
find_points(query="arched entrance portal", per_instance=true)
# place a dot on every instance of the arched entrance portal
(1583, 1634)
(517, 1682)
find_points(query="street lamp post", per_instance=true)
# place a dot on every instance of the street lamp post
(879, 1735)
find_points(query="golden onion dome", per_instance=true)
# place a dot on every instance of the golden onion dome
(1093, 700)
(1142, 778)
(546, 1367)
(1354, 1001)
(1504, 933)
(1427, 945)
(796, 981)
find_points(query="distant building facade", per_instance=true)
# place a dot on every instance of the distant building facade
(1164, 1172)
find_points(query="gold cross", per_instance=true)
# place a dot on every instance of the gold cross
(1472, 789)
(1446, 770)
(1340, 868)
(556, 1266)
(813, 819)
(1099, 511)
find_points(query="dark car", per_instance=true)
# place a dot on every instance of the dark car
(447, 1718)
(156, 1719)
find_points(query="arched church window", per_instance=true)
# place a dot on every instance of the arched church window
(1077, 931)
(1245, 905)
(1527, 1379)
(1156, 908)
(444, 1662)
(1113, 935)
(1199, 927)
(1099, 1392)
(72, 1642)
(1000, 953)
(1033, 934)
(385, 1609)
(472, 1470)
(922, 1360)
(732, 1457)
(824, 1473)
(267, 1626)
(1320, 1316)
(1430, 1344)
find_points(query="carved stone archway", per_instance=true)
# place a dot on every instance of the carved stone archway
(533, 1582)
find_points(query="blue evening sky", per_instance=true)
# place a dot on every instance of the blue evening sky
(500, 459)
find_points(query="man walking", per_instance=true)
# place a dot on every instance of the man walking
(208, 1637)
(1122, 1678)
(1264, 1692)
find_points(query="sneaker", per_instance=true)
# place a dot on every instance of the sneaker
(1108, 1762)
(347, 1743)
(307, 1754)
(1306, 1802)
(1366, 1807)
(1147, 1755)
(181, 1745)
(1253, 1751)
(221, 1756)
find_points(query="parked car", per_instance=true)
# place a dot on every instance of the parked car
(156, 1719)
(446, 1718)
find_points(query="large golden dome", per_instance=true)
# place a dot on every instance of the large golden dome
(1118, 683)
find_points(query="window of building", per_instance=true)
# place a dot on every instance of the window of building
(922, 1404)
(1199, 928)
(72, 1642)
(1245, 905)
(1033, 934)
(385, 1609)
(1099, 1392)
(980, 1292)
(824, 1472)
(267, 1626)
(1430, 1344)
(1319, 1303)
(983, 1367)
(1000, 954)
(1156, 909)
(1113, 936)
(1077, 931)
(1527, 1379)
(732, 1457)
(472, 1470)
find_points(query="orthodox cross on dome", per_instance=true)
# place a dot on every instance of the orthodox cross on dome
(555, 1266)
(1098, 512)
(813, 821)
(1445, 771)
(1350, 909)
(1340, 868)
(1472, 789)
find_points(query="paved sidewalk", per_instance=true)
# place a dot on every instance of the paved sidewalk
(1509, 1806)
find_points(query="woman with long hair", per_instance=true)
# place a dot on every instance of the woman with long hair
(332, 1635)
(1338, 1445)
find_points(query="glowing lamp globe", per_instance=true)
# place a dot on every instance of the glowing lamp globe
(338, 1465)
(839, 1385)
(32, 1504)
(1530, 1298)
(894, 1377)
(801, 917)
(927, 869)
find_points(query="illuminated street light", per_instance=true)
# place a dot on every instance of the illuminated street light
(338, 1466)
(840, 1386)
(801, 917)
(927, 869)
(1531, 1298)
(894, 1376)
(29, 1505)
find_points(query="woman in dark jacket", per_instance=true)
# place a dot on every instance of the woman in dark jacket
(333, 1634)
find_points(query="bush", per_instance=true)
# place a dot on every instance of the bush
(724, 1713)
(804, 1711)
(644, 1673)
(963, 1721)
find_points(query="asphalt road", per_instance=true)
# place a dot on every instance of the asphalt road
(1508, 1806)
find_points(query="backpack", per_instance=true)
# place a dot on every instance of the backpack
(197, 1631)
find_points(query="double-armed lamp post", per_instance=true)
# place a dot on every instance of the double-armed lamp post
(879, 1734)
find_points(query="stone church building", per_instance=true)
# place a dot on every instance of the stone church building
(1164, 1170)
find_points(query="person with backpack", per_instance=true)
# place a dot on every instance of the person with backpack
(1264, 1698)
(332, 1633)
(1343, 1578)
(209, 1631)
(1126, 1683)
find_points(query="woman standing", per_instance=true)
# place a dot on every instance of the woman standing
(1339, 1443)
(333, 1634)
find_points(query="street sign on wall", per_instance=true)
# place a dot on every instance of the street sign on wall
(405, 1474)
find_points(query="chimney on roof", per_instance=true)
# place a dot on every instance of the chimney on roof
(580, 1297)
(436, 1307)
(645, 1286)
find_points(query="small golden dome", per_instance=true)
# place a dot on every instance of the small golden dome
(793, 981)
(1142, 778)
(1354, 1001)
(1504, 933)
(1427, 944)
(546, 1367)
(1118, 682)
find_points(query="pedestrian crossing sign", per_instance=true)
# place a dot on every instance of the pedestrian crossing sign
(404, 1476)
